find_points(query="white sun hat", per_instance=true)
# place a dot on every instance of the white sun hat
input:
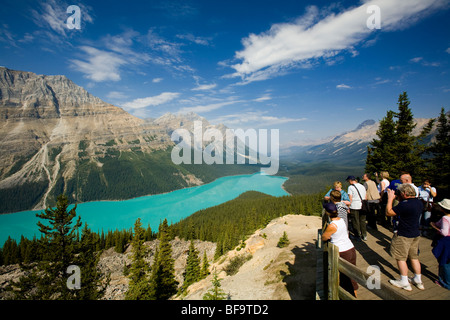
(445, 204)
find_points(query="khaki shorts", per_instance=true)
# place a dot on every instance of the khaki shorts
(403, 248)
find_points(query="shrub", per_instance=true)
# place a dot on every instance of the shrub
(235, 263)
(284, 241)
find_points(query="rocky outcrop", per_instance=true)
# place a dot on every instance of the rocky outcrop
(271, 273)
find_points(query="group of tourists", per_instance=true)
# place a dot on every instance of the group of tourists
(407, 210)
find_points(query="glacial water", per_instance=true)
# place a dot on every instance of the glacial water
(112, 215)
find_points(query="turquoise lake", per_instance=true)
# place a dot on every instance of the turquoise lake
(175, 205)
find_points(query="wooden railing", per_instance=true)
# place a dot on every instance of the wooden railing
(332, 264)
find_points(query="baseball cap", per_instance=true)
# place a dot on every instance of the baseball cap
(330, 207)
(394, 184)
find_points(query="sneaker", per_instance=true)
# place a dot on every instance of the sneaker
(399, 284)
(419, 285)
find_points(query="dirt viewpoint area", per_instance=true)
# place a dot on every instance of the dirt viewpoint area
(272, 273)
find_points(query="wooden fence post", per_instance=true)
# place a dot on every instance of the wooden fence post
(333, 272)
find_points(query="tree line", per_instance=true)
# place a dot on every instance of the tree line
(396, 149)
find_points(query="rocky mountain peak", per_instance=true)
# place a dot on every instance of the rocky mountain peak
(28, 95)
(365, 123)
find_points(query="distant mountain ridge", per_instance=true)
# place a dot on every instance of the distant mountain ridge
(349, 147)
(55, 138)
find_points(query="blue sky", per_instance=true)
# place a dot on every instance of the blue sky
(308, 68)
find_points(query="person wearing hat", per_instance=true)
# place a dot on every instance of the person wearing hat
(442, 248)
(357, 193)
(443, 225)
(337, 233)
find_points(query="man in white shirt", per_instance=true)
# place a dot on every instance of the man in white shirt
(357, 193)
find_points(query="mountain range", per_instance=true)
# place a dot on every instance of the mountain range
(55, 138)
(347, 148)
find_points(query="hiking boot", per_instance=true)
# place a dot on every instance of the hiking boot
(399, 284)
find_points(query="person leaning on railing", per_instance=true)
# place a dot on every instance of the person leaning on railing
(337, 233)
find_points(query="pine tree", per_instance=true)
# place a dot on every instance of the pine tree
(406, 159)
(216, 292)
(204, 272)
(192, 272)
(440, 151)
(381, 151)
(283, 241)
(218, 252)
(49, 278)
(163, 281)
(87, 259)
(139, 287)
(397, 149)
(148, 234)
(10, 252)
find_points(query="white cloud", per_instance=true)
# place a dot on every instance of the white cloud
(122, 44)
(158, 43)
(424, 63)
(343, 86)
(151, 101)
(255, 119)
(381, 81)
(416, 59)
(105, 65)
(52, 15)
(100, 65)
(197, 40)
(448, 50)
(208, 107)
(7, 36)
(116, 95)
(205, 87)
(318, 35)
(265, 97)
(157, 80)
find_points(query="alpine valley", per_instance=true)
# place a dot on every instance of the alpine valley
(56, 138)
